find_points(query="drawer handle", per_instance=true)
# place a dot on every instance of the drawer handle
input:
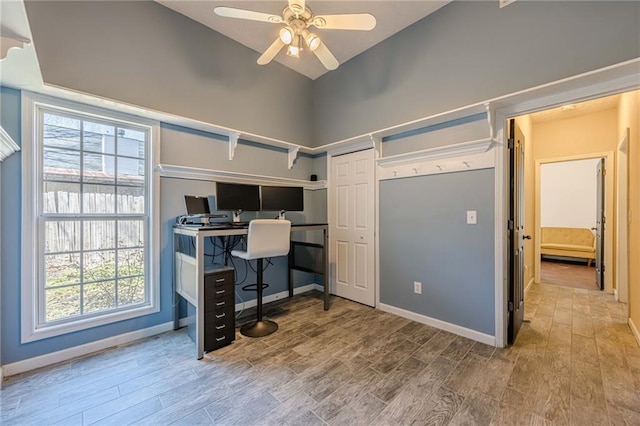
(220, 304)
(220, 280)
(220, 316)
(220, 327)
(220, 339)
(220, 292)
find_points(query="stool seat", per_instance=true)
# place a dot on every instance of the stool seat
(266, 238)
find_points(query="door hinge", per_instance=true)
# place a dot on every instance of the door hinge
(510, 306)
(510, 143)
(510, 225)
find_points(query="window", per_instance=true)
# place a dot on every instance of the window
(88, 189)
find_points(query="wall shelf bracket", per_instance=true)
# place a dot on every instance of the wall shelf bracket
(490, 119)
(376, 141)
(292, 155)
(7, 145)
(233, 143)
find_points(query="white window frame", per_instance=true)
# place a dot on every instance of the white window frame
(32, 327)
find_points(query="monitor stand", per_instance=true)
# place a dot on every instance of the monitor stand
(281, 215)
(235, 221)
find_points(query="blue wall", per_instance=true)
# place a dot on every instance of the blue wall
(172, 205)
(12, 349)
(424, 237)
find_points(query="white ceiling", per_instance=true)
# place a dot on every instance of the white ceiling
(391, 16)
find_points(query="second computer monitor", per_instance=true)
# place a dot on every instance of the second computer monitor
(235, 197)
(283, 198)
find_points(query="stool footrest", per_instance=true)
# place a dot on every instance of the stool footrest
(254, 287)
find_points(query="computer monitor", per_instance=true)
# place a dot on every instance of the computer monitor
(196, 205)
(282, 198)
(237, 198)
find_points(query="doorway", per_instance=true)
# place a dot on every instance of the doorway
(582, 131)
(571, 229)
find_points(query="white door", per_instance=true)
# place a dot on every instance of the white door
(351, 226)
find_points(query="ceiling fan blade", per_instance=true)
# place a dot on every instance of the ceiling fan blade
(326, 57)
(297, 6)
(271, 52)
(355, 21)
(231, 12)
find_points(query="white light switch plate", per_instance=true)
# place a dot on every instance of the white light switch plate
(472, 217)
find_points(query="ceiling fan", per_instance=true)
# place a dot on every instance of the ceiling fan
(295, 34)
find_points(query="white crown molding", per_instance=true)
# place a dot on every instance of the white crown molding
(193, 173)
(7, 145)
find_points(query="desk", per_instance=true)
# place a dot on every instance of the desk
(189, 281)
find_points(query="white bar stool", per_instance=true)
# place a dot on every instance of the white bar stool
(266, 238)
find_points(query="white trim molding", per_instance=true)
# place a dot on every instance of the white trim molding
(7, 145)
(472, 155)
(32, 325)
(442, 325)
(85, 349)
(194, 173)
(634, 330)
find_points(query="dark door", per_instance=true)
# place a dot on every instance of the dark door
(516, 230)
(600, 225)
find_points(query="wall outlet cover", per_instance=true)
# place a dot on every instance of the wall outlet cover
(417, 287)
(472, 217)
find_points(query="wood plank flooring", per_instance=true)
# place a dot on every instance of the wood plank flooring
(568, 274)
(574, 362)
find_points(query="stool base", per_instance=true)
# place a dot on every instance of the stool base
(259, 328)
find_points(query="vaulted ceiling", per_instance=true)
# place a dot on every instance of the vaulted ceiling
(391, 16)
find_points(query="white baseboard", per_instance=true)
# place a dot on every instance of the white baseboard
(183, 322)
(277, 296)
(635, 331)
(529, 284)
(442, 325)
(80, 350)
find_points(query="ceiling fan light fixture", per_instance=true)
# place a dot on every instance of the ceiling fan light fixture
(293, 51)
(312, 40)
(286, 35)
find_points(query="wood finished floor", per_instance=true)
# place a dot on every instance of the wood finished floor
(568, 274)
(575, 362)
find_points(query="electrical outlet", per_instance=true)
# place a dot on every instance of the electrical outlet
(472, 217)
(417, 287)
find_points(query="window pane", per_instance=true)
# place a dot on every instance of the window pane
(99, 168)
(131, 143)
(98, 199)
(62, 269)
(99, 296)
(61, 197)
(61, 164)
(98, 137)
(130, 172)
(99, 265)
(62, 302)
(99, 234)
(130, 291)
(61, 236)
(130, 233)
(130, 262)
(62, 132)
(130, 199)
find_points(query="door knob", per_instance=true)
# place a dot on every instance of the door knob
(526, 237)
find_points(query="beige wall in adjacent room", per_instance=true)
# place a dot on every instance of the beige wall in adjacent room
(629, 117)
(580, 137)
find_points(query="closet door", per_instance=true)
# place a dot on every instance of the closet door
(351, 226)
